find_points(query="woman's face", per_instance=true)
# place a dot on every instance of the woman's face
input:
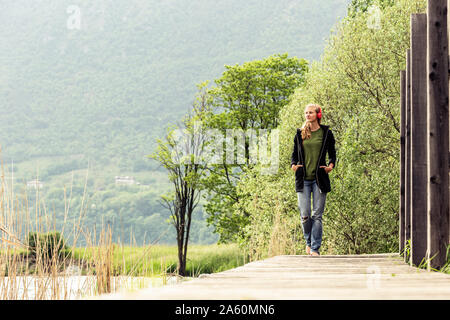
(310, 114)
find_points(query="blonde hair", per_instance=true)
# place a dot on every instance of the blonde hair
(306, 127)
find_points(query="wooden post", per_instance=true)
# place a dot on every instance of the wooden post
(418, 138)
(401, 220)
(408, 152)
(437, 134)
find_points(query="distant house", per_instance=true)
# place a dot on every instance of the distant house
(125, 180)
(36, 184)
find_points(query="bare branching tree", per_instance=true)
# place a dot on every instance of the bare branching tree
(180, 153)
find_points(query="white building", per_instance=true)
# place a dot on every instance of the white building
(125, 180)
(36, 184)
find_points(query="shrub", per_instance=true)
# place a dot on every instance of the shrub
(46, 245)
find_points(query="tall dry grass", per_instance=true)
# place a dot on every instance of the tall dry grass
(285, 234)
(41, 275)
(280, 234)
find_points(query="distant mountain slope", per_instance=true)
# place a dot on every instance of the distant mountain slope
(132, 67)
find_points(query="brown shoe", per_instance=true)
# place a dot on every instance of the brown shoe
(308, 250)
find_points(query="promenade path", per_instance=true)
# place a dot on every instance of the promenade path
(299, 277)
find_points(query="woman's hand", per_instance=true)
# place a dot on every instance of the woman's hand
(327, 169)
(294, 167)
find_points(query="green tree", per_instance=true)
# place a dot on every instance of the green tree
(247, 96)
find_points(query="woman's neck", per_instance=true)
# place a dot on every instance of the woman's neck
(314, 126)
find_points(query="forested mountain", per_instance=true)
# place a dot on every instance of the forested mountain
(92, 84)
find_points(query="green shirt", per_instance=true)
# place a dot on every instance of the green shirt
(312, 148)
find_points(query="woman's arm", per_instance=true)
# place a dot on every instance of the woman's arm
(331, 150)
(294, 156)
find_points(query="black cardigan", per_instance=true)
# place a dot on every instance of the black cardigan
(298, 156)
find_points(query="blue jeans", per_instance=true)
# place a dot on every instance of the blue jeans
(311, 223)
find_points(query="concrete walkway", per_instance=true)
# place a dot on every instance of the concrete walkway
(378, 276)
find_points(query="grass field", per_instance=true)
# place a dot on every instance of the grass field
(157, 260)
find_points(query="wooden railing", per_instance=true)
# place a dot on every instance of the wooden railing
(424, 171)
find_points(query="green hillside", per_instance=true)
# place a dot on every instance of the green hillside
(99, 95)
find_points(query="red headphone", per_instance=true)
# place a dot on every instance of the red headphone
(319, 114)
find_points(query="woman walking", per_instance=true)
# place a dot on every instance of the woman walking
(311, 144)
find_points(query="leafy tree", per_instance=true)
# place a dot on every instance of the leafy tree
(247, 96)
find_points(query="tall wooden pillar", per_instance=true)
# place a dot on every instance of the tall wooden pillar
(418, 181)
(401, 220)
(437, 133)
(408, 151)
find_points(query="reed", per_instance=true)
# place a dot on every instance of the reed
(40, 266)
(285, 233)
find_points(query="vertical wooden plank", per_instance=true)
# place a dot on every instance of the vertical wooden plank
(401, 222)
(448, 50)
(408, 152)
(437, 133)
(418, 131)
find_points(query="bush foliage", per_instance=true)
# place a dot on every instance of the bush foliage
(46, 245)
